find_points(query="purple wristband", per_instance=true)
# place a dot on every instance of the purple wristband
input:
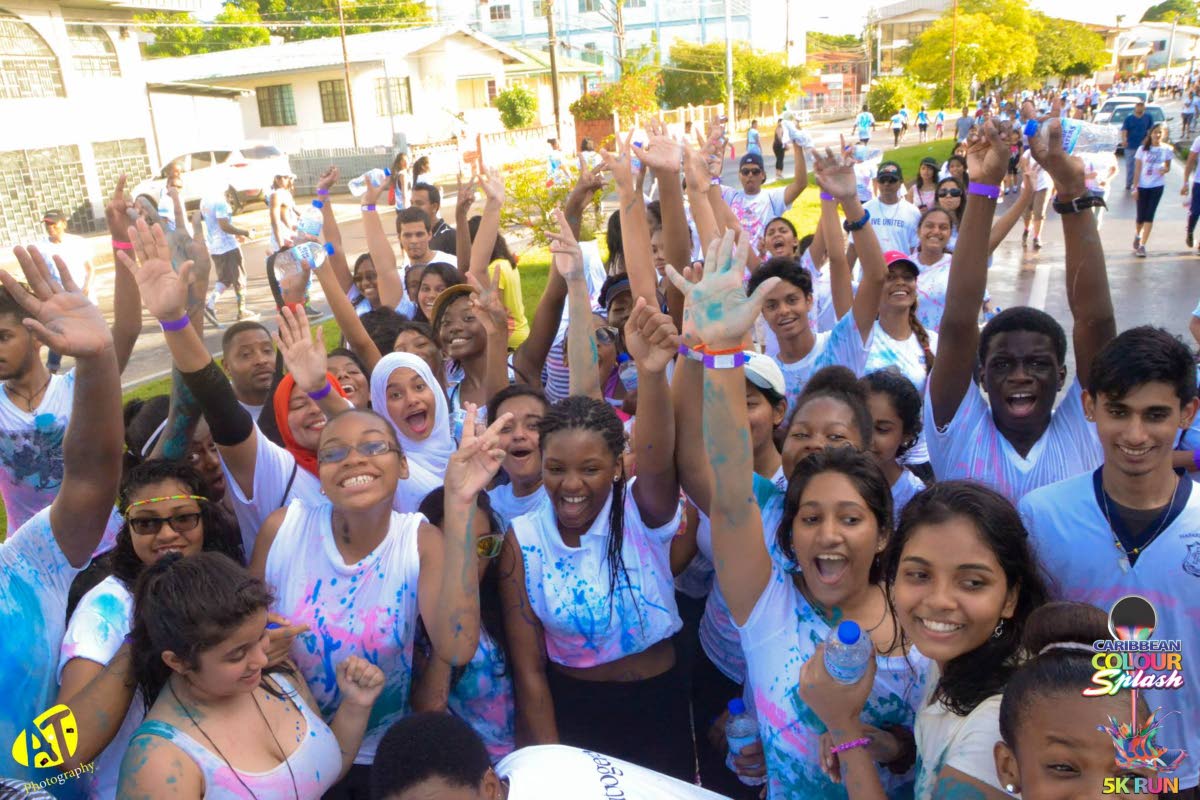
(827, 196)
(174, 324)
(320, 193)
(322, 393)
(983, 190)
(1196, 459)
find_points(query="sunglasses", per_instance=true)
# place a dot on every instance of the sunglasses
(149, 526)
(888, 179)
(489, 545)
(949, 193)
(749, 172)
(339, 453)
(607, 335)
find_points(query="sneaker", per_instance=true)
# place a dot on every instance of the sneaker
(1141, 251)
(1137, 242)
(312, 312)
(210, 314)
(1037, 243)
(244, 313)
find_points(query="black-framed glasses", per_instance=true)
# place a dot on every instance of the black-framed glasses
(887, 179)
(489, 545)
(750, 172)
(949, 193)
(335, 454)
(607, 335)
(180, 523)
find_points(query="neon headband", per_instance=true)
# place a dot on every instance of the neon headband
(195, 497)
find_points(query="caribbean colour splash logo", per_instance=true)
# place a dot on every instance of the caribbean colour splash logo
(49, 741)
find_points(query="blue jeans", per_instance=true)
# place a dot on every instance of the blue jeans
(1130, 158)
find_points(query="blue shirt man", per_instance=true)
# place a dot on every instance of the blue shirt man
(1133, 131)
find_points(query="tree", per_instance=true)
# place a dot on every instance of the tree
(696, 76)
(987, 52)
(636, 94)
(817, 42)
(888, 93)
(193, 37)
(321, 16)
(763, 79)
(1067, 48)
(518, 106)
(1182, 11)
(170, 42)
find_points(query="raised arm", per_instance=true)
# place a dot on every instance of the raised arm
(841, 281)
(535, 723)
(836, 178)
(698, 183)
(391, 287)
(63, 319)
(665, 156)
(492, 184)
(127, 303)
(1088, 294)
(691, 461)
(462, 233)
(635, 234)
(332, 233)
(719, 316)
(1005, 223)
(799, 177)
(582, 356)
(347, 318)
(305, 359)
(653, 341)
(958, 339)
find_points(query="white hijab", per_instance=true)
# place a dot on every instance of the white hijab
(427, 458)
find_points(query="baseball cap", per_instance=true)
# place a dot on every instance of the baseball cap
(895, 258)
(285, 175)
(751, 158)
(54, 216)
(613, 286)
(443, 300)
(763, 372)
(890, 168)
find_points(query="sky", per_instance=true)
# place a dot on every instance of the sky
(850, 17)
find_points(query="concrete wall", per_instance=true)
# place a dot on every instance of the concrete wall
(185, 122)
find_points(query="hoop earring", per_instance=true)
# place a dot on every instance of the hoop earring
(999, 631)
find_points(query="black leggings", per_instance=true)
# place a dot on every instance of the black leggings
(779, 152)
(1147, 203)
(711, 693)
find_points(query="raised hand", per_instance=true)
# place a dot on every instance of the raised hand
(488, 304)
(492, 183)
(834, 175)
(164, 291)
(695, 169)
(650, 337)
(1067, 171)
(714, 148)
(987, 154)
(717, 313)
(117, 212)
(328, 178)
(466, 198)
(477, 459)
(196, 248)
(589, 182)
(620, 163)
(359, 681)
(60, 316)
(303, 355)
(566, 252)
(373, 193)
(662, 153)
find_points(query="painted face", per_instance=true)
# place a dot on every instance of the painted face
(950, 591)
(888, 433)
(786, 310)
(151, 546)
(414, 238)
(204, 457)
(578, 471)
(411, 403)
(934, 233)
(764, 417)
(519, 438)
(1138, 430)
(305, 419)
(367, 281)
(417, 344)
(235, 665)
(250, 362)
(836, 538)
(359, 481)
(18, 348)
(431, 286)
(780, 240)
(900, 289)
(351, 379)
(462, 334)
(1022, 375)
(821, 422)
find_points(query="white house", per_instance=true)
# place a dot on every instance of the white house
(73, 97)
(416, 85)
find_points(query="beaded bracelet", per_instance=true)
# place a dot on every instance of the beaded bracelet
(844, 746)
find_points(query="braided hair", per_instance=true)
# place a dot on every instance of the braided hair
(584, 413)
(922, 336)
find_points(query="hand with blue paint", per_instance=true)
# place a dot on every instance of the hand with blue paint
(476, 461)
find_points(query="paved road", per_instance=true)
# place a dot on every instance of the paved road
(1161, 289)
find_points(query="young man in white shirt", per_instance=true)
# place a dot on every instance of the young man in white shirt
(1132, 527)
(894, 219)
(73, 250)
(1014, 440)
(414, 229)
(753, 205)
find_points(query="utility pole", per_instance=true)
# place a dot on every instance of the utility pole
(1171, 46)
(953, 50)
(553, 38)
(728, 66)
(346, 72)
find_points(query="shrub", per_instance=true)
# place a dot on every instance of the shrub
(531, 199)
(518, 106)
(887, 94)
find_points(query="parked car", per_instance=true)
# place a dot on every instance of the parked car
(1155, 112)
(1104, 113)
(243, 173)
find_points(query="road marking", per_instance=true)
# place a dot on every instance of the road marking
(1039, 287)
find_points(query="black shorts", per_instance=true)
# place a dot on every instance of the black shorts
(924, 126)
(1013, 163)
(228, 266)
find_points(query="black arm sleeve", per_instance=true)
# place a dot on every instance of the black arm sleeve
(229, 422)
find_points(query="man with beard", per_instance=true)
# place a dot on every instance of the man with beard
(249, 358)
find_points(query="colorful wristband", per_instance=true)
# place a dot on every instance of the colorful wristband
(827, 196)
(370, 207)
(321, 393)
(715, 181)
(116, 245)
(708, 351)
(322, 192)
(1196, 459)
(694, 355)
(729, 361)
(844, 746)
(983, 190)
(174, 324)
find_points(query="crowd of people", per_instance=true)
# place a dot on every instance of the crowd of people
(483, 551)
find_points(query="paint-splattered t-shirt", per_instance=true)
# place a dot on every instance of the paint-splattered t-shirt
(35, 577)
(31, 450)
(843, 345)
(95, 633)
(483, 696)
(366, 609)
(781, 633)
(945, 739)
(569, 587)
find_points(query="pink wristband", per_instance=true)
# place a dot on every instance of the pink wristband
(116, 245)
(844, 746)
(983, 190)
(174, 324)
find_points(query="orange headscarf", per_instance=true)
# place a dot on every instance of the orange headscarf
(307, 459)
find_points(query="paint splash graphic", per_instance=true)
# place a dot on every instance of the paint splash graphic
(1136, 746)
(1133, 633)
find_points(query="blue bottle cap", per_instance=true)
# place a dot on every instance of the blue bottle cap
(622, 357)
(387, 172)
(848, 632)
(737, 707)
(318, 204)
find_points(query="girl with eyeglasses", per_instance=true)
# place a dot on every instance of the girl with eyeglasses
(165, 512)
(481, 691)
(359, 573)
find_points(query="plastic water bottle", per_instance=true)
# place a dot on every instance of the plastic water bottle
(741, 730)
(358, 186)
(847, 652)
(627, 369)
(295, 260)
(311, 220)
(1080, 137)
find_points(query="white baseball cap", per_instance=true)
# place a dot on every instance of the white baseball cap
(763, 372)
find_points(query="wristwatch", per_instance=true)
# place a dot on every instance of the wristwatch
(1079, 204)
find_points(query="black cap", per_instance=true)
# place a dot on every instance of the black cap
(890, 168)
(752, 158)
(54, 216)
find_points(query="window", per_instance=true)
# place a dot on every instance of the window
(588, 5)
(201, 160)
(539, 8)
(392, 96)
(591, 55)
(276, 105)
(492, 91)
(635, 3)
(92, 52)
(28, 67)
(498, 13)
(333, 101)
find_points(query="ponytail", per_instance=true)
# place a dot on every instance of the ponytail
(922, 337)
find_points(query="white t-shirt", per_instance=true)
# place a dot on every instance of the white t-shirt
(864, 174)
(945, 739)
(35, 577)
(863, 124)
(219, 241)
(754, 211)
(841, 345)
(569, 588)
(1196, 149)
(95, 632)
(508, 506)
(74, 252)
(274, 467)
(931, 292)
(366, 609)
(1041, 178)
(31, 450)
(906, 355)
(781, 633)
(255, 411)
(822, 316)
(906, 487)
(971, 446)
(895, 225)
(554, 771)
(435, 257)
(1153, 159)
(1075, 544)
